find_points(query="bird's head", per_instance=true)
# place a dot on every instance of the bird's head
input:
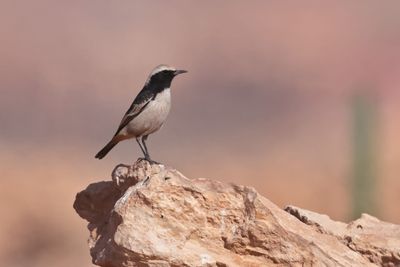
(163, 74)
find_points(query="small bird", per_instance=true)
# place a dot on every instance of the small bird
(148, 111)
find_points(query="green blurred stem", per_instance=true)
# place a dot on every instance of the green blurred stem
(364, 156)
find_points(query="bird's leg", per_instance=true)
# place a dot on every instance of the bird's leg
(140, 145)
(146, 151)
(147, 155)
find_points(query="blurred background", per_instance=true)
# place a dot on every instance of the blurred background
(299, 100)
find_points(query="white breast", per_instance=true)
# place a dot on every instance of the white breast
(152, 117)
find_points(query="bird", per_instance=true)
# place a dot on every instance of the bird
(148, 111)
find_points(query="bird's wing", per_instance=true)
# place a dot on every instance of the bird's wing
(134, 110)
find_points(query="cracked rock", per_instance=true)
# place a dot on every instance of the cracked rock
(152, 215)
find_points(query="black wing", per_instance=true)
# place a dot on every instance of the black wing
(138, 105)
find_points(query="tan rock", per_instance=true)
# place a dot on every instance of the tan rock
(376, 240)
(151, 215)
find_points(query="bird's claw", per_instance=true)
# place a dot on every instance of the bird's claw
(153, 161)
(149, 160)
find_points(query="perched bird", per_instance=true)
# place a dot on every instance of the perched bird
(148, 111)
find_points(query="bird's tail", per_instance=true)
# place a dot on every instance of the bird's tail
(106, 149)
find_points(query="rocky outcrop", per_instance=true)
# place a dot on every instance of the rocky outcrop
(151, 215)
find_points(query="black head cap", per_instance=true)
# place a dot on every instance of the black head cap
(162, 75)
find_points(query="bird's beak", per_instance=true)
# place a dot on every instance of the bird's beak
(177, 72)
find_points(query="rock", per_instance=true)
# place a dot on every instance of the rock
(151, 215)
(376, 240)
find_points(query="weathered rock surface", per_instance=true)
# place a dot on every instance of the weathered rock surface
(151, 215)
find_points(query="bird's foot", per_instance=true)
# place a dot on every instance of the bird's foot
(153, 161)
(149, 160)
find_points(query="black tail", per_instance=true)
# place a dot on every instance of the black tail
(102, 153)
